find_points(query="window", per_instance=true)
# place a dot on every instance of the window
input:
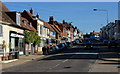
(30, 23)
(1, 30)
(24, 21)
(53, 33)
(41, 29)
(18, 18)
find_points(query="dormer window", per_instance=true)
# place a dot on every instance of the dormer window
(18, 18)
(30, 23)
(24, 21)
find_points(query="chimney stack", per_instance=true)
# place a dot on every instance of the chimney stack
(63, 21)
(31, 11)
(51, 19)
(37, 15)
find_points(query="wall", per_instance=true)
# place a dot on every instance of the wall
(6, 34)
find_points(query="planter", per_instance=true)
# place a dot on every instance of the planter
(10, 57)
(3, 58)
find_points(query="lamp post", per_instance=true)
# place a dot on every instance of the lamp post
(103, 10)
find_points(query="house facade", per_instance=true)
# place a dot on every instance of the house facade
(111, 31)
(11, 34)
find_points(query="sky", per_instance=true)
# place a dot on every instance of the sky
(60, 0)
(81, 14)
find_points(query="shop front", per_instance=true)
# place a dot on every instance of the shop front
(17, 43)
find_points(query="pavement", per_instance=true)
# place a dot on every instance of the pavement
(108, 62)
(22, 59)
(71, 60)
(104, 66)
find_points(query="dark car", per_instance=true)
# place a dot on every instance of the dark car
(57, 49)
(74, 42)
(70, 44)
(52, 50)
(118, 42)
(105, 42)
(88, 45)
(61, 46)
(112, 43)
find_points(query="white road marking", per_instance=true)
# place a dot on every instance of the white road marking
(65, 61)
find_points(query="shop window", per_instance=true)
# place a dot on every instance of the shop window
(1, 30)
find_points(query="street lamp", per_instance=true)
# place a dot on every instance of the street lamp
(102, 10)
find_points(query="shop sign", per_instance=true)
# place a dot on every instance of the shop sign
(16, 35)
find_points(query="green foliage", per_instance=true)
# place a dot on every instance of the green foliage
(32, 37)
(3, 44)
(37, 40)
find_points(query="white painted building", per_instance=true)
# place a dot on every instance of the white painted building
(10, 35)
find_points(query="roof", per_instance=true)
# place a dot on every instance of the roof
(27, 26)
(5, 17)
(56, 30)
(58, 25)
(29, 14)
(56, 22)
(48, 25)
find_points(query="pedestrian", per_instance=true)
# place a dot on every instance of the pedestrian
(44, 50)
(48, 47)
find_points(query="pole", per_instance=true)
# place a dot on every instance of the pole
(107, 17)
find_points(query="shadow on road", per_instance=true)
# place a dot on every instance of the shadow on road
(80, 53)
(111, 63)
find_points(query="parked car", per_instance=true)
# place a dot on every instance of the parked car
(80, 40)
(66, 45)
(77, 41)
(57, 48)
(61, 46)
(74, 42)
(118, 42)
(105, 42)
(112, 43)
(52, 50)
(88, 45)
(70, 44)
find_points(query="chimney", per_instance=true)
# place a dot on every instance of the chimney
(63, 21)
(31, 11)
(51, 19)
(37, 15)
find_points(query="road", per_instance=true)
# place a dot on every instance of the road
(74, 59)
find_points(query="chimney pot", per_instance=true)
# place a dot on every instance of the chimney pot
(31, 11)
(37, 15)
(51, 19)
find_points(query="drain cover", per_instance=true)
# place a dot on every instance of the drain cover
(67, 67)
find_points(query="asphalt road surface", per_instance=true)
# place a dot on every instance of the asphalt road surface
(75, 59)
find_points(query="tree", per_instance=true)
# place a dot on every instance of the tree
(32, 37)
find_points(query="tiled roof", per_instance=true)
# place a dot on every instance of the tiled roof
(55, 28)
(55, 22)
(29, 14)
(5, 17)
(48, 25)
(27, 26)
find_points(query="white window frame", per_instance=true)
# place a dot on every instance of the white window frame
(18, 18)
(1, 30)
